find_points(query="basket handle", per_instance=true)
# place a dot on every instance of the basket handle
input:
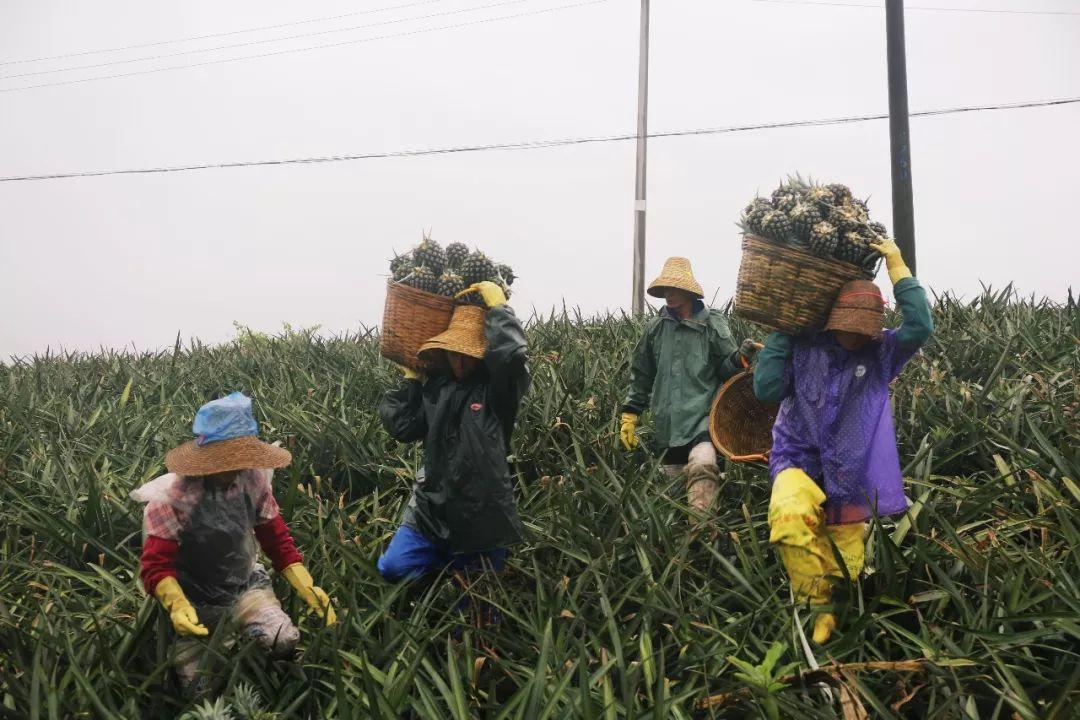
(749, 458)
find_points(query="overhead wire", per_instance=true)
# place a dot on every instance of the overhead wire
(929, 8)
(209, 36)
(264, 41)
(288, 51)
(539, 144)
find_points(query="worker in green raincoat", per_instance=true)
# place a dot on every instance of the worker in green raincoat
(678, 366)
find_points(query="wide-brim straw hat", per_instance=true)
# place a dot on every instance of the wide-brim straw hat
(859, 308)
(676, 274)
(242, 453)
(465, 334)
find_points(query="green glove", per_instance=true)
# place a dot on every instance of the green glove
(749, 350)
(628, 430)
(184, 618)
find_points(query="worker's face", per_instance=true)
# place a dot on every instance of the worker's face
(461, 365)
(678, 301)
(850, 341)
(222, 479)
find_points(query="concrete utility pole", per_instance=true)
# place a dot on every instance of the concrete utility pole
(638, 302)
(900, 138)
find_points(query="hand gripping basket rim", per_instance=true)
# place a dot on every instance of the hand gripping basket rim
(739, 424)
(787, 288)
(411, 317)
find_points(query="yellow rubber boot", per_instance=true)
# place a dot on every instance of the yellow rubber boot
(797, 528)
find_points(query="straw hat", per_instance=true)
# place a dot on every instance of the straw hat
(676, 274)
(227, 440)
(465, 334)
(859, 308)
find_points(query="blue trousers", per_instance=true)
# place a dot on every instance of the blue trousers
(411, 555)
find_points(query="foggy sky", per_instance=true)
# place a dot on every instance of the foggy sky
(130, 261)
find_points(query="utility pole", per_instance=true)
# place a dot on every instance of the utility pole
(899, 136)
(638, 303)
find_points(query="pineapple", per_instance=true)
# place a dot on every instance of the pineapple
(861, 209)
(845, 218)
(804, 216)
(841, 193)
(820, 197)
(776, 226)
(787, 202)
(879, 230)
(456, 254)
(401, 262)
(752, 215)
(823, 239)
(423, 278)
(852, 248)
(506, 274)
(430, 255)
(450, 284)
(477, 268)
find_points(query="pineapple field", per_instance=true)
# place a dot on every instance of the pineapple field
(619, 605)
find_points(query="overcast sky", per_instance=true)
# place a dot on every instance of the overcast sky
(132, 260)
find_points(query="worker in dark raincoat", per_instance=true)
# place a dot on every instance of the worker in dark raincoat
(462, 512)
(834, 461)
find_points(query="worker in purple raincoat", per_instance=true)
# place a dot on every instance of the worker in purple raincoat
(834, 461)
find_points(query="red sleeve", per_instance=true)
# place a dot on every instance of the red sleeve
(277, 543)
(158, 561)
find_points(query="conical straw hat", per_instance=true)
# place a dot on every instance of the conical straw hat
(465, 334)
(859, 308)
(676, 274)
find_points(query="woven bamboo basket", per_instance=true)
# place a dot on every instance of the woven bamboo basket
(411, 317)
(787, 288)
(739, 424)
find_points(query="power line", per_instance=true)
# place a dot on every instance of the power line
(230, 33)
(919, 7)
(309, 48)
(540, 144)
(264, 41)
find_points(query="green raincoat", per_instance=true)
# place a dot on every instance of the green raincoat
(676, 370)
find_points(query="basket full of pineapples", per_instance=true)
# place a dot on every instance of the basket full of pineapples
(800, 246)
(424, 286)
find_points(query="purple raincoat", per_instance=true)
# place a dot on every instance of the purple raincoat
(837, 425)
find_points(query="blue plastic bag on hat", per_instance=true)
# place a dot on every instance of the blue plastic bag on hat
(226, 418)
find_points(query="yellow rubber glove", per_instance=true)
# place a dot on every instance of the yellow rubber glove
(492, 294)
(894, 260)
(184, 618)
(314, 596)
(628, 430)
(850, 541)
(411, 374)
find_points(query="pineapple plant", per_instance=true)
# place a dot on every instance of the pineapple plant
(456, 254)
(477, 268)
(430, 255)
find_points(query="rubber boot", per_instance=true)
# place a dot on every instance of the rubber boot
(701, 487)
